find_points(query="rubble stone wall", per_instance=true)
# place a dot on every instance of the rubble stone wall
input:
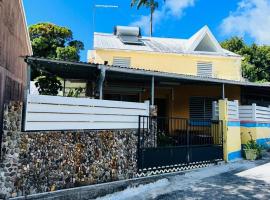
(35, 162)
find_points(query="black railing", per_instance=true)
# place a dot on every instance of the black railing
(164, 131)
(168, 141)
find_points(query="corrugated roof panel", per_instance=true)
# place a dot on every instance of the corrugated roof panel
(151, 44)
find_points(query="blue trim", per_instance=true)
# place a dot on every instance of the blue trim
(234, 155)
(249, 124)
(263, 141)
(233, 123)
(199, 123)
(255, 124)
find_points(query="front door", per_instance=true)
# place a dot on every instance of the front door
(162, 113)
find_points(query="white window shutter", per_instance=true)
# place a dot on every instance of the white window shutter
(205, 69)
(121, 61)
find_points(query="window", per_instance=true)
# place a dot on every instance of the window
(200, 107)
(121, 61)
(204, 69)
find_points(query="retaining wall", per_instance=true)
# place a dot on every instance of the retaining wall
(35, 162)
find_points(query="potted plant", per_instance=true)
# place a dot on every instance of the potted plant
(252, 150)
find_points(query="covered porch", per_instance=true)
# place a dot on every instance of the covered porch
(179, 102)
(174, 95)
(182, 110)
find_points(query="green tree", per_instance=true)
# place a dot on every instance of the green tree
(151, 4)
(235, 44)
(54, 42)
(48, 40)
(256, 59)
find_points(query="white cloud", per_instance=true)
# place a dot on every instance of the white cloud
(171, 8)
(251, 18)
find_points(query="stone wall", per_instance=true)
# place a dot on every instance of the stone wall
(36, 162)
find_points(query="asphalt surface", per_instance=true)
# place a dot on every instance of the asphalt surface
(238, 180)
(222, 186)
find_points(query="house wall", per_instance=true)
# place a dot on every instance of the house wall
(178, 96)
(223, 67)
(259, 131)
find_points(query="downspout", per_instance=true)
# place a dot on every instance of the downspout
(101, 79)
(26, 93)
(153, 91)
(223, 91)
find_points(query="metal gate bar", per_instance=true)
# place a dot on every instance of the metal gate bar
(164, 141)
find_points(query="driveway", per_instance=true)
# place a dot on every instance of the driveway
(237, 180)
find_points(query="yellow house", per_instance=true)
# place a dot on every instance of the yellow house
(199, 56)
(181, 77)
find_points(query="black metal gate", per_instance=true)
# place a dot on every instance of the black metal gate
(171, 142)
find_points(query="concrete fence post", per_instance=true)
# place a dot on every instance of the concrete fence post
(223, 116)
(231, 133)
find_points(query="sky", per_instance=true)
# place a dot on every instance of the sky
(249, 19)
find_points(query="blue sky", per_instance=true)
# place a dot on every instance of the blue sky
(175, 18)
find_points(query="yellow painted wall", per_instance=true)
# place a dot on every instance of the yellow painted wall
(260, 134)
(182, 94)
(247, 133)
(263, 133)
(178, 96)
(231, 134)
(223, 67)
(233, 139)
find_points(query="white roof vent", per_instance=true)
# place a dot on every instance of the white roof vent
(128, 35)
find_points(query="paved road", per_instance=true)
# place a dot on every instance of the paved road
(238, 180)
(229, 185)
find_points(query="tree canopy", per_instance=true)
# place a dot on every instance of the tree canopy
(55, 42)
(52, 41)
(256, 59)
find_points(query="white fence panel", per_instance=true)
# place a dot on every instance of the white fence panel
(262, 113)
(254, 113)
(67, 113)
(246, 113)
(215, 110)
(233, 110)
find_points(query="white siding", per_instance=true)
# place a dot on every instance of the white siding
(66, 113)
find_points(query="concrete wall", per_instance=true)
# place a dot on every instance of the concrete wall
(14, 42)
(35, 162)
(223, 67)
(259, 131)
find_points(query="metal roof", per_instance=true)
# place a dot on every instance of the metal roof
(83, 70)
(161, 45)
